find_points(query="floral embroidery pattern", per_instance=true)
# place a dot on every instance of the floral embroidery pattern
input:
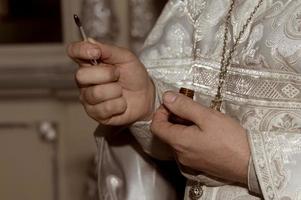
(287, 123)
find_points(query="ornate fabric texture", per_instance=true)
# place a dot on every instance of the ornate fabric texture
(263, 86)
(143, 15)
(99, 19)
(126, 173)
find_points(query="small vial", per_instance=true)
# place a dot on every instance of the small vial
(178, 120)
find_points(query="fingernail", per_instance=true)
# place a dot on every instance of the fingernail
(169, 97)
(93, 53)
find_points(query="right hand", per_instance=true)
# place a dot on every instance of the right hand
(118, 91)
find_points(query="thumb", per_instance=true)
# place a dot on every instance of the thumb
(112, 54)
(185, 107)
(92, 49)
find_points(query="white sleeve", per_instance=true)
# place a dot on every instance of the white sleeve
(253, 184)
(149, 143)
(277, 158)
(151, 56)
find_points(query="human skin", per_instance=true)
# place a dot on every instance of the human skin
(216, 144)
(119, 92)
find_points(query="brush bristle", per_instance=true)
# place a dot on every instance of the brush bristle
(77, 20)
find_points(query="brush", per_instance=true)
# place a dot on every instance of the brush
(83, 34)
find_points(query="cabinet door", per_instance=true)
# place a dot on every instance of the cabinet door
(26, 165)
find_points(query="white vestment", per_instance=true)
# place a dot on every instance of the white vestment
(262, 90)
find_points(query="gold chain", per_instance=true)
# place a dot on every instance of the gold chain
(216, 103)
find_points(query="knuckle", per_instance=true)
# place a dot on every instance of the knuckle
(123, 105)
(88, 96)
(95, 94)
(79, 75)
(120, 106)
(90, 111)
(117, 90)
(112, 73)
(107, 109)
(96, 113)
(99, 112)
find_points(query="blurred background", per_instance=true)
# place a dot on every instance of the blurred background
(47, 147)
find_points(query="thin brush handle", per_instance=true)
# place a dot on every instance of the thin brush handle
(83, 34)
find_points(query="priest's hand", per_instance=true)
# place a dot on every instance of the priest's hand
(216, 145)
(117, 91)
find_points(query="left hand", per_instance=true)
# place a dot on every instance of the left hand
(216, 145)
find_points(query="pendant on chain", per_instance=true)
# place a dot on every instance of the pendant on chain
(227, 56)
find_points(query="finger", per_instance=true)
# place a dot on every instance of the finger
(83, 51)
(113, 54)
(172, 134)
(94, 50)
(107, 109)
(83, 64)
(186, 108)
(96, 75)
(100, 93)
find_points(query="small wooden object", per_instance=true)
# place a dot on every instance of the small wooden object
(174, 118)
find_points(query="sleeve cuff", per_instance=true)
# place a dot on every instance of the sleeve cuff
(253, 183)
(198, 176)
(149, 143)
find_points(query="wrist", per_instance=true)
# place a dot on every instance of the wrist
(239, 163)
